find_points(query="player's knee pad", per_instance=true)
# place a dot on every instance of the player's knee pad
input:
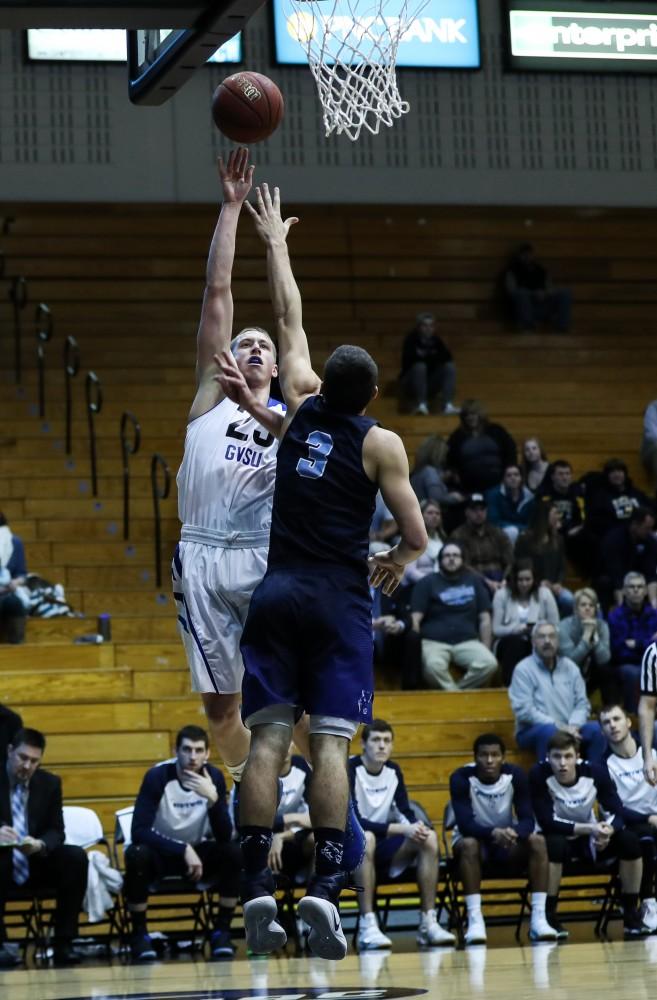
(329, 725)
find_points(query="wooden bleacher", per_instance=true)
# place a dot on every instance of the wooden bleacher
(127, 281)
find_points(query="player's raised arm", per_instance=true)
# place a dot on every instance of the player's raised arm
(296, 374)
(216, 323)
(384, 459)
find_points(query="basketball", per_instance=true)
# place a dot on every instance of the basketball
(247, 107)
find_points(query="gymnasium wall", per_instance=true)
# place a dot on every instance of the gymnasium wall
(68, 133)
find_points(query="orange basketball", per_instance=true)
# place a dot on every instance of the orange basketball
(247, 107)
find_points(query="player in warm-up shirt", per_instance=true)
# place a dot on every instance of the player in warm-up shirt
(181, 826)
(307, 643)
(494, 824)
(565, 794)
(395, 838)
(626, 766)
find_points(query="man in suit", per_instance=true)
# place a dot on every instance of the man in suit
(32, 849)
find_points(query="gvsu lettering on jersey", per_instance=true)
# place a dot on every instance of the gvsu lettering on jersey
(247, 456)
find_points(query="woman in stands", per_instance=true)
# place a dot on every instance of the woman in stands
(478, 451)
(534, 464)
(584, 639)
(428, 475)
(516, 609)
(543, 544)
(428, 561)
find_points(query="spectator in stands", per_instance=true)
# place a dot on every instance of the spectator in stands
(559, 489)
(612, 501)
(486, 548)
(428, 561)
(517, 607)
(395, 838)
(649, 442)
(495, 825)
(13, 571)
(427, 369)
(531, 294)
(565, 794)
(626, 766)
(383, 527)
(428, 476)
(543, 544)
(451, 613)
(584, 639)
(10, 723)
(629, 547)
(510, 504)
(478, 450)
(32, 825)
(632, 627)
(547, 694)
(181, 826)
(534, 464)
(293, 844)
(397, 648)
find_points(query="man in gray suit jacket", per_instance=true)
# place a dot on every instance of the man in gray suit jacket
(32, 850)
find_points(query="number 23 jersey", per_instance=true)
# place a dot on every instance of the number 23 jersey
(226, 478)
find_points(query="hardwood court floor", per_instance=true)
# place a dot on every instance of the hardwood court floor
(609, 970)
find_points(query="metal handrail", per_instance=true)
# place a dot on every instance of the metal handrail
(128, 448)
(18, 298)
(158, 462)
(94, 395)
(43, 328)
(71, 368)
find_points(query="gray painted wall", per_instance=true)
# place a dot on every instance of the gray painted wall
(69, 133)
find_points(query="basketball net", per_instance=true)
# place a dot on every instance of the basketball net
(352, 53)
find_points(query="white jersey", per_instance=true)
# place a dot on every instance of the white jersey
(226, 478)
(633, 789)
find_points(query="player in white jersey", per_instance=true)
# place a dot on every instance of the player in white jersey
(225, 488)
(626, 766)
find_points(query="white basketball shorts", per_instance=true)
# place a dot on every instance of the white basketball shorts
(212, 587)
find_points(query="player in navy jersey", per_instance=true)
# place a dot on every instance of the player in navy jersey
(495, 824)
(581, 816)
(307, 644)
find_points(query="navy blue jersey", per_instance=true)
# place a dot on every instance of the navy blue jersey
(323, 499)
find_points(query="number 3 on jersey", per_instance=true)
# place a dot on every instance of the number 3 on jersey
(320, 446)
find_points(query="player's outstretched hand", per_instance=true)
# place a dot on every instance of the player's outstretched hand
(266, 214)
(384, 572)
(231, 379)
(236, 175)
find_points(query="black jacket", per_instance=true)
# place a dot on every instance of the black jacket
(434, 352)
(10, 723)
(45, 819)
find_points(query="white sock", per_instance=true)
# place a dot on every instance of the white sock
(236, 770)
(427, 916)
(368, 918)
(473, 903)
(538, 903)
(651, 901)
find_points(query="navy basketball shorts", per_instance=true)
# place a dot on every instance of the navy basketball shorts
(307, 642)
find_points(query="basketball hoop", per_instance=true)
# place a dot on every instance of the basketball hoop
(351, 47)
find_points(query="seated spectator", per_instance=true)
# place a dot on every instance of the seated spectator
(517, 607)
(584, 639)
(395, 839)
(427, 476)
(534, 464)
(486, 548)
(632, 627)
(495, 824)
(478, 450)
(428, 561)
(383, 527)
(13, 571)
(565, 794)
(10, 723)
(510, 504)
(628, 548)
(451, 612)
(613, 501)
(649, 442)
(293, 844)
(547, 694)
(531, 294)
(428, 370)
(639, 798)
(543, 544)
(181, 826)
(32, 825)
